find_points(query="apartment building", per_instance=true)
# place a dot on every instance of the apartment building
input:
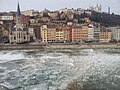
(105, 35)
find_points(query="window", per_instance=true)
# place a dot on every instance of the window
(24, 37)
(14, 38)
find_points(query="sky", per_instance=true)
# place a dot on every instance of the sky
(11, 5)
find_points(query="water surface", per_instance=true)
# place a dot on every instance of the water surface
(49, 69)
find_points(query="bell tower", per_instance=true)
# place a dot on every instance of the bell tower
(18, 17)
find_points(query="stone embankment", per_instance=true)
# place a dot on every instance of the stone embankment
(85, 46)
(62, 46)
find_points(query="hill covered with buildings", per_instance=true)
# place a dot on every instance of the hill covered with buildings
(60, 26)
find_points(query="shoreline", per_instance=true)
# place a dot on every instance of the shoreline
(62, 46)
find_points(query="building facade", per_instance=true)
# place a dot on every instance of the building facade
(55, 34)
(115, 33)
(105, 35)
(76, 34)
(19, 34)
(44, 33)
(97, 29)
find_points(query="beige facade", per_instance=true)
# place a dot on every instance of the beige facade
(105, 36)
(59, 35)
(51, 34)
(30, 13)
(44, 33)
(54, 33)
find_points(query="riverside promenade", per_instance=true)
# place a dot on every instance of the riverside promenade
(60, 46)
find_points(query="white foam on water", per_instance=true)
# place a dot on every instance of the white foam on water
(10, 55)
(91, 62)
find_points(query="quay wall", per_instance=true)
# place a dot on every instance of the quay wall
(101, 46)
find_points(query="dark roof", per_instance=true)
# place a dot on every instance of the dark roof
(18, 11)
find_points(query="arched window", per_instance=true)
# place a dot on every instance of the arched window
(14, 38)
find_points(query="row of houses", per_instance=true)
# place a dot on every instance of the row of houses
(81, 33)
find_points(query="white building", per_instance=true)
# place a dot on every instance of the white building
(97, 32)
(30, 13)
(44, 33)
(115, 33)
(97, 8)
(90, 33)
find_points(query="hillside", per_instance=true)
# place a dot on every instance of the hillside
(105, 18)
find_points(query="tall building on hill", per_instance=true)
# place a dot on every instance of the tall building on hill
(108, 10)
(97, 8)
(19, 33)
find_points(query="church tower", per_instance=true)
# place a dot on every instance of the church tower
(18, 17)
(19, 33)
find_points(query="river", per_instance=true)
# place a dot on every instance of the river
(51, 69)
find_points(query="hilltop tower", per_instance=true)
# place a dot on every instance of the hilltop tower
(108, 10)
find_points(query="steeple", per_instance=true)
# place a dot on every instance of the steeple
(18, 18)
(18, 10)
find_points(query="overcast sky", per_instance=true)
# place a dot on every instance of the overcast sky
(10, 5)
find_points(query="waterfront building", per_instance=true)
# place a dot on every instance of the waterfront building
(90, 32)
(115, 33)
(55, 33)
(84, 33)
(31, 33)
(76, 36)
(19, 34)
(44, 33)
(97, 28)
(67, 33)
(105, 35)
(51, 34)
(59, 35)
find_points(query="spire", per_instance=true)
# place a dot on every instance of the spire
(18, 10)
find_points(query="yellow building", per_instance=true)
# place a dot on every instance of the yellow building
(59, 33)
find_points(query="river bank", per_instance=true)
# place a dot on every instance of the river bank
(62, 46)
